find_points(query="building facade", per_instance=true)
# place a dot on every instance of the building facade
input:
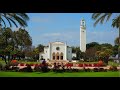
(56, 51)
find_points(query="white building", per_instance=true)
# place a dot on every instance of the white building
(82, 35)
(60, 50)
(56, 51)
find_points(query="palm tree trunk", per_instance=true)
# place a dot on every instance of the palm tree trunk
(119, 46)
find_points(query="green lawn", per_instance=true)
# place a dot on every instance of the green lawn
(53, 74)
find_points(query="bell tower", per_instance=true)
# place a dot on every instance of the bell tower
(82, 35)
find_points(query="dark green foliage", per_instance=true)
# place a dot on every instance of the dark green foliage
(113, 68)
(92, 44)
(26, 69)
(7, 67)
(16, 69)
(14, 64)
(95, 69)
(101, 69)
(45, 69)
(115, 50)
(1, 66)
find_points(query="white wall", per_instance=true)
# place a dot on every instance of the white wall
(69, 53)
(46, 53)
(73, 55)
(41, 54)
(61, 46)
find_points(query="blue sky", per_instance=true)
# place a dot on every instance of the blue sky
(65, 27)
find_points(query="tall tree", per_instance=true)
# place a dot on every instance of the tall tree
(92, 44)
(23, 38)
(40, 47)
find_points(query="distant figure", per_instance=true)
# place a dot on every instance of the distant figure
(55, 65)
(44, 62)
(58, 65)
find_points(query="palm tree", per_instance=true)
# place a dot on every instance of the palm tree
(116, 23)
(100, 17)
(116, 41)
(20, 18)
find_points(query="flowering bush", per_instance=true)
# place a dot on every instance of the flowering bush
(90, 65)
(26, 64)
(31, 64)
(69, 65)
(100, 63)
(95, 65)
(86, 65)
(21, 64)
(14, 63)
(36, 64)
(80, 65)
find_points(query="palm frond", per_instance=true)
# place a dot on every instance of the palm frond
(100, 17)
(13, 22)
(116, 22)
(3, 22)
(109, 15)
(20, 21)
(23, 16)
(8, 21)
(95, 15)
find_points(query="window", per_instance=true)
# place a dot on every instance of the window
(57, 57)
(53, 57)
(57, 48)
(61, 57)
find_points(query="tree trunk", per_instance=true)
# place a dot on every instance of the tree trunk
(119, 46)
(8, 56)
(5, 59)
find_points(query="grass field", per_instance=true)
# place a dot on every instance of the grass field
(65, 74)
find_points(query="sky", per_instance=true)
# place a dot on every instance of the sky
(65, 27)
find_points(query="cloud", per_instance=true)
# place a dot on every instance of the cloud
(51, 34)
(39, 19)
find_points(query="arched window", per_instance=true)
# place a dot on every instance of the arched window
(53, 55)
(61, 56)
(57, 55)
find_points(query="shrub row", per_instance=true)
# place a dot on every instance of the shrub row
(44, 68)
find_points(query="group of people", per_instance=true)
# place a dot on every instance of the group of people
(55, 65)
(58, 65)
